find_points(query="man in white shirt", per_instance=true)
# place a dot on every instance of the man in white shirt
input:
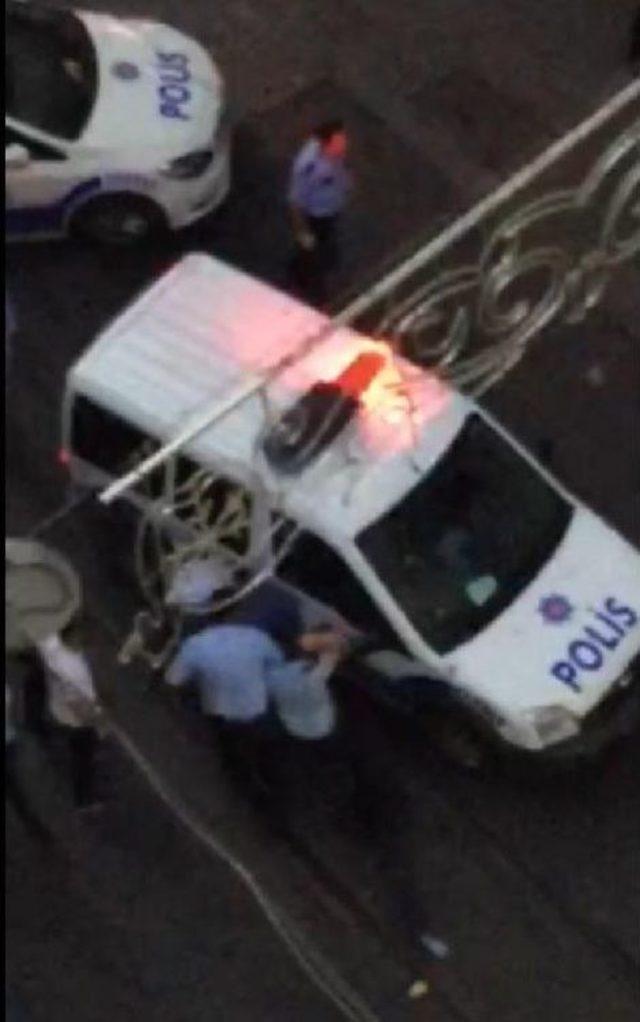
(72, 704)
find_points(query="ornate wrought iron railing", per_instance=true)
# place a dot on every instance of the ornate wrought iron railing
(541, 249)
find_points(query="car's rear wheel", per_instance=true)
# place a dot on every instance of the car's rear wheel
(119, 220)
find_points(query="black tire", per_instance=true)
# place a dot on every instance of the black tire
(119, 219)
(458, 740)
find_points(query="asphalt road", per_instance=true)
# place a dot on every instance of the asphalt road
(534, 882)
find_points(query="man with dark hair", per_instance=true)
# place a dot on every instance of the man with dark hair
(319, 186)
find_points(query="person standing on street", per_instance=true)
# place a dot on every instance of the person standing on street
(73, 707)
(14, 792)
(235, 665)
(229, 663)
(332, 756)
(319, 187)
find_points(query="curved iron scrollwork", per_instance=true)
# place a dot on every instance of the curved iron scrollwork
(552, 259)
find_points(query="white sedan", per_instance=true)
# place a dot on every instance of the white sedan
(115, 128)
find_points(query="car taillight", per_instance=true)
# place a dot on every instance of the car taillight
(64, 457)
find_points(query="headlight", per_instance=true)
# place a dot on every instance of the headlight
(189, 166)
(554, 723)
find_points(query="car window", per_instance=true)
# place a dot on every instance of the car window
(202, 498)
(315, 568)
(38, 150)
(12, 137)
(51, 72)
(105, 440)
(469, 538)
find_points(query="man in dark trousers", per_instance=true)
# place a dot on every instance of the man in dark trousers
(319, 187)
(15, 794)
(230, 661)
(61, 700)
(328, 757)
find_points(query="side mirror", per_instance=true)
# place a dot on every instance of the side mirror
(16, 157)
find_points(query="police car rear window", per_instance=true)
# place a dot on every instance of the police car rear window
(51, 72)
(103, 439)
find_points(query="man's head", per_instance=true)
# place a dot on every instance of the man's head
(275, 611)
(332, 137)
(198, 584)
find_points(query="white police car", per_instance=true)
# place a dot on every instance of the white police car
(114, 129)
(500, 613)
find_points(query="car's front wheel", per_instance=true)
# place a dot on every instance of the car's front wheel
(459, 741)
(118, 220)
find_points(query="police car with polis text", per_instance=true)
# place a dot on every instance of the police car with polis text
(491, 606)
(114, 128)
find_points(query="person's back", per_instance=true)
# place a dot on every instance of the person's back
(229, 663)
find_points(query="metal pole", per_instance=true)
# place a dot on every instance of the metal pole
(424, 255)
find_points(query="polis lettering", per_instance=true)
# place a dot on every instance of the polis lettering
(174, 76)
(588, 651)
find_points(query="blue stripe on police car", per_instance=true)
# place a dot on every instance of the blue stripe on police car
(51, 217)
(589, 650)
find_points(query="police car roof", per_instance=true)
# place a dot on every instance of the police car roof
(205, 328)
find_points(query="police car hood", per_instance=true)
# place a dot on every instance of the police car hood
(156, 88)
(570, 635)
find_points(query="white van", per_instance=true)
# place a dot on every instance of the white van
(493, 602)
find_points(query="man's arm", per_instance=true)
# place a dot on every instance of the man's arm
(71, 674)
(303, 235)
(180, 670)
(318, 668)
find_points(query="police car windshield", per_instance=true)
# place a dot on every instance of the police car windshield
(51, 71)
(468, 539)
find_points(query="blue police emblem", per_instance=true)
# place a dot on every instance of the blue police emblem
(126, 71)
(555, 609)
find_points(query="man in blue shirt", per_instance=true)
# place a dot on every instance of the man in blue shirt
(241, 666)
(229, 664)
(319, 187)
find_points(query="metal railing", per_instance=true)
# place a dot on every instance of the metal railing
(540, 249)
(543, 247)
